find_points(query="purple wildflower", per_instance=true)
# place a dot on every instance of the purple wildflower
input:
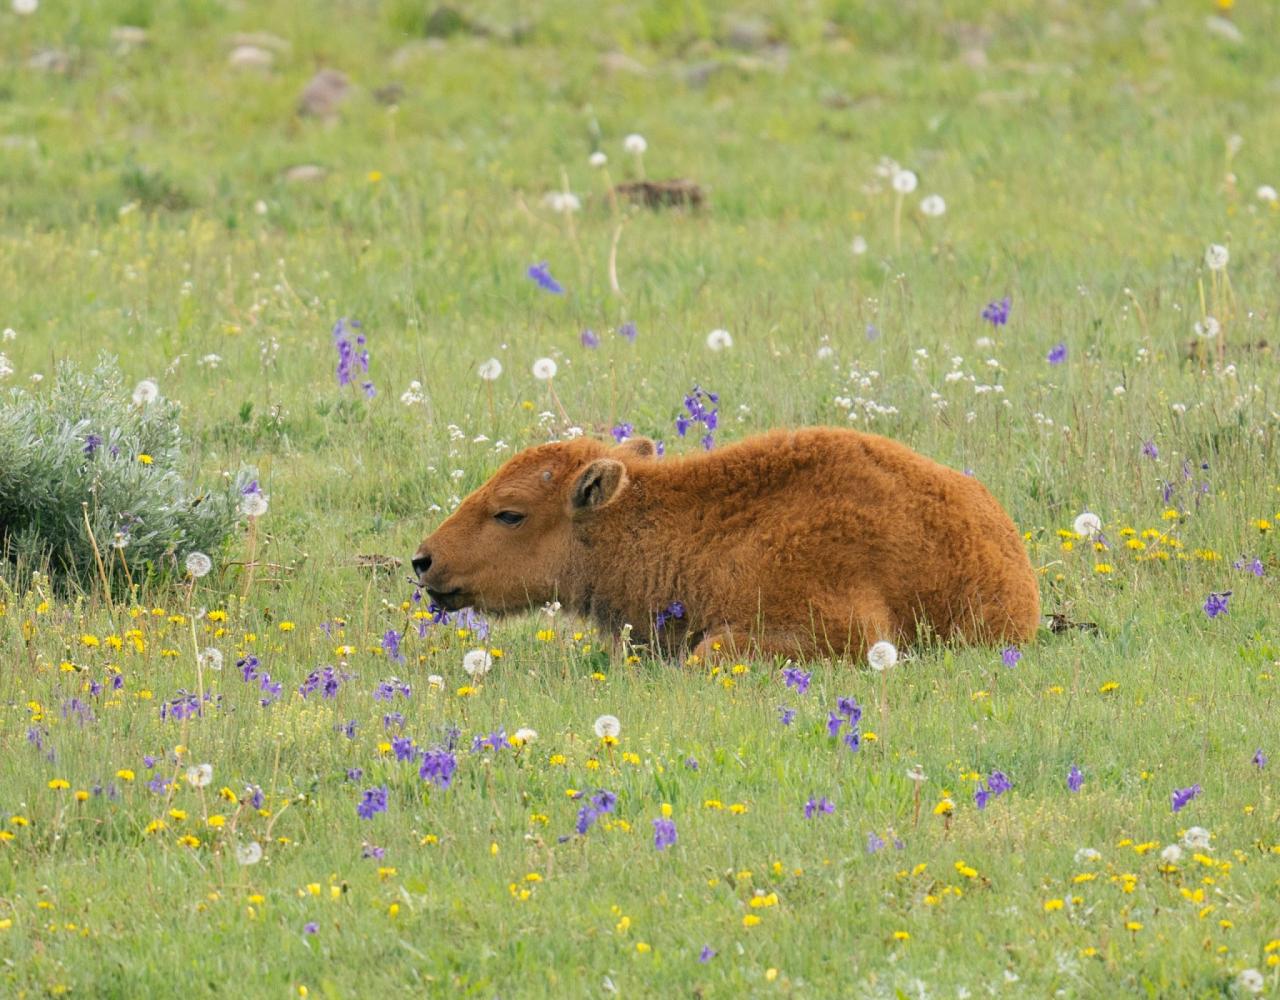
(1181, 796)
(311, 928)
(391, 645)
(707, 954)
(389, 688)
(816, 806)
(664, 833)
(255, 796)
(999, 783)
(495, 741)
(393, 719)
(796, 678)
(326, 680)
(997, 313)
(1058, 354)
(628, 330)
(1075, 778)
(148, 761)
(786, 715)
(621, 432)
(872, 332)
(1254, 566)
(1216, 604)
(980, 796)
(834, 722)
(698, 412)
(91, 444)
(541, 275)
(374, 801)
(1259, 759)
(403, 748)
(1149, 450)
(875, 842)
(355, 773)
(438, 766)
(373, 851)
(691, 763)
(853, 739)
(348, 729)
(352, 354)
(158, 785)
(850, 709)
(673, 610)
(1010, 656)
(589, 339)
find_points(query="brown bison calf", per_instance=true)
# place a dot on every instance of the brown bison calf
(799, 543)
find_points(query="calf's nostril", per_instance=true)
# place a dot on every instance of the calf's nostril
(421, 564)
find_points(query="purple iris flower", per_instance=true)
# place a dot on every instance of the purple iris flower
(664, 833)
(997, 313)
(1216, 604)
(541, 275)
(1181, 796)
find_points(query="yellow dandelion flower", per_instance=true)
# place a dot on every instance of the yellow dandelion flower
(287, 626)
(750, 920)
(58, 784)
(145, 459)
(901, 936)
(82, 795)
(738, 808)
(1108, 687)
(124, 774)
(1050, 905)
(1103, 568)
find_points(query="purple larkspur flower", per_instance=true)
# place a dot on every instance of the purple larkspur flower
(540, 274)
(621, 432)
(697, 411)
(326, 680)
(158, 785)
(255, 796)
(389, 688)
(438, 766)
(352, 354)
(495, 741)
(850, 709)
(999, 783)
(373, 851)
(148, 761)
(691, 763)
(92, 442)
(1259, 759)
(852, 739)
(1149, 450)
(1057, 354)
(872, 332)
(707, 954)
(875, 842)
(815, 807)
(1216, 604)
(1010, 656)
(589, 339)
(391, 645)
(311, 928)
(997, 313)
(786, 715)
(1182, 796)
(834, 722)
(664, 833)
(586, 818)
(796, 678)
(403, 748)
(628, 330)
(348, 728)
(393, 719)
(673, 610)
(355, 773)
(1075, 778)
(1253, 566)
(373, 801)
(980, 796)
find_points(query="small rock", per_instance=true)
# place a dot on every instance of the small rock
(620, 62)
(262, 40)
(304, 173)
(251, 57)
(747, 34)
(50, 61)
(324, 94)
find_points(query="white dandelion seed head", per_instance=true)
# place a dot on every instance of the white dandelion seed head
(120, 540)
(525, 735)
(1251, 981)
(1208, 328)
(933, 206)
(718, 340)
(210, 658)
(544, 368)
(1171, 855)
(200, 775)
(249, 853)
(916, 773)
(607, 726)
(882, 655)
(490, 369)
(597, 159)
(198, 564)
(561, 202)
(1216, 257)
(1087, 855)
(826, 352)
(254, 504)
(1087, 525)
(477, 662)
(858, 246)
(635, 144)
(905, 181)
(435, 682)
(1267, 193)
(145, 392)
(1196, 839)
(25, 7)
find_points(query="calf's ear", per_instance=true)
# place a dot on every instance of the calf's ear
(600, 483)
(640, 447)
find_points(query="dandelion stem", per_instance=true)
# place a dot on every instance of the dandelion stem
(897, 223)
(102, 569)
(251, 561)
(613, 260)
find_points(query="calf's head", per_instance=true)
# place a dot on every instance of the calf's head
(509, 544)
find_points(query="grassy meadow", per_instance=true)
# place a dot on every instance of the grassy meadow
(164, 199)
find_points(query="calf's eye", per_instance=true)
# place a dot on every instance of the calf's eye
(509, 517)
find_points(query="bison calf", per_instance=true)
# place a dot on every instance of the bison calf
(797, 543)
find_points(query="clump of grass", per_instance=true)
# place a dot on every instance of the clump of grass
(93, 483)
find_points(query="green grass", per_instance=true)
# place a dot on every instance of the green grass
(1085, 172)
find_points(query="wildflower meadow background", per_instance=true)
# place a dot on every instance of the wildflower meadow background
(358, 253)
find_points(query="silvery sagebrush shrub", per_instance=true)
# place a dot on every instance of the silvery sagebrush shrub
(88, 440)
